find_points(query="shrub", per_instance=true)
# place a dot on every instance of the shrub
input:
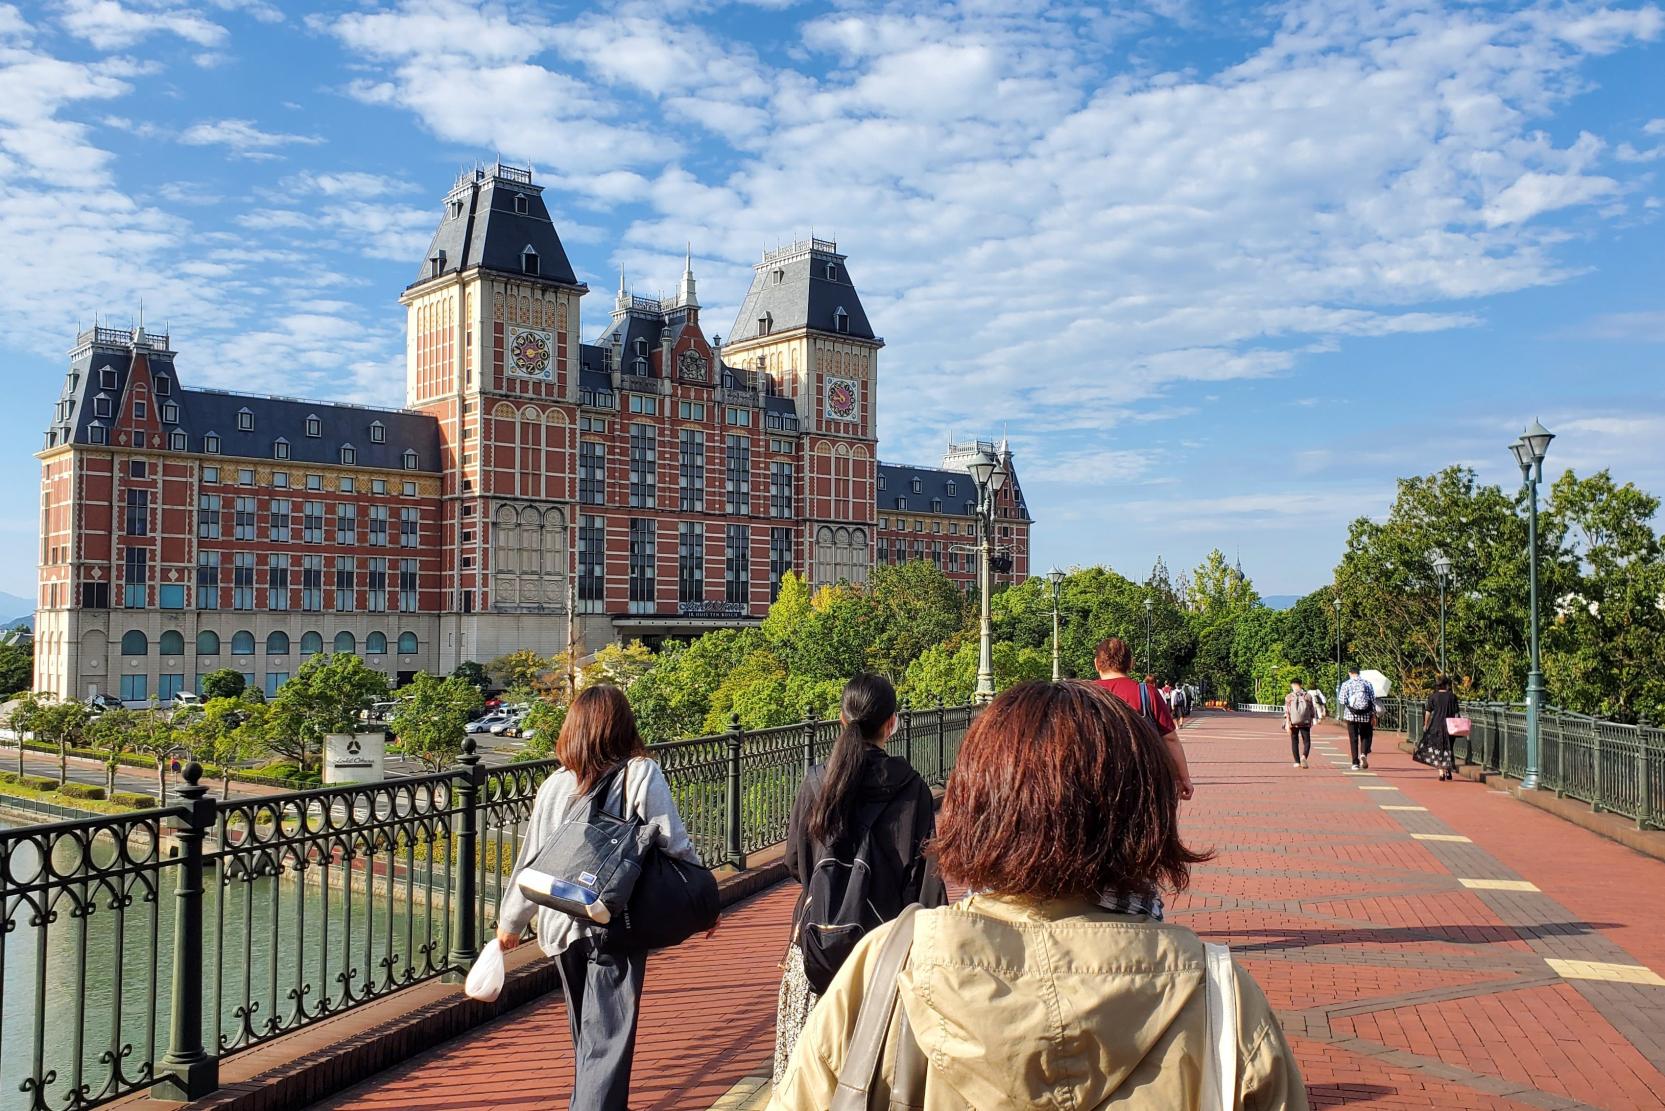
(134, 799)
(8, 777)
(38, 783)
(81, 791)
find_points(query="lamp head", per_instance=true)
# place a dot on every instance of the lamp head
(1056, 576)
(1149, 604)
(1002, 471)
(1537, 439)
(1523, 454)
(981, 467)
(1442, 564)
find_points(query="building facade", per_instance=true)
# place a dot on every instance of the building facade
(536, 491)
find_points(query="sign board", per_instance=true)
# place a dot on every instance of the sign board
(355, 757)
(711, 609)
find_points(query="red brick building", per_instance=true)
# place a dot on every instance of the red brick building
(536, 488)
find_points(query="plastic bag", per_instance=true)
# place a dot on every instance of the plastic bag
(485, 979)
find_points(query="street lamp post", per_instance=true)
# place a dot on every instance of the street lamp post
(988, 472)
(1442, 568)
(1337, 600)
(1149, 662)
(1529, 452)
(1057, 579)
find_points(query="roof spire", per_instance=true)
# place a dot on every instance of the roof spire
(621, 303)
(685, 295)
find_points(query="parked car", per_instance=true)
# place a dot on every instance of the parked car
(486, 724)
(377, 711)
(186, 700)
(509, 726)
(98, 703)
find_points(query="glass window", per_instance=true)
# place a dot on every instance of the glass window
(211, 474)
(690, 561)
(311, 644)
(280, 517)
(208, 643)
(346, 525)
(349, 455)
(410, 465)
(407, 644)
(737, 564)
(410, 523)
(780, 558)
(346, 485)
(171, 643)
(312, 583)
(135, 643)
(277, 581)
(378, 525)
(737, 475)
(375, 644)
(376, 585)
(312, 522)
(277, 643)
(243, 527)
(644, 463)
(408, 583)
(378, 432)
(164, 385)
(211, 444)
(275, 680)
(242, 581)
(245, 420)
(345, 644)
(170, 596)
(780, 489)
(280, 480)
(138, 513)
(345, 598)
(176, 441)
(314, 427)
(242, 643)
(592, 472)
(691, 471)
(314, 482)
(592, 563)
(280, 449)
(642, 556)
(245, 476)
(136, 565)
(135, 688)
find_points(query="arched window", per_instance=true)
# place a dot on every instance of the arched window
(407, 643)
(208, 643)
(375, 644)
(135, 643)
(242, 643)
(311, 644)
(172, 643)
(277, 644)
(345, 643)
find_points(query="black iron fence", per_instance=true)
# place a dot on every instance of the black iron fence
(137, 951)
(1613, 767)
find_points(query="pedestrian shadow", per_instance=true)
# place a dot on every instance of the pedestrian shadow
(1336, 1095)
(1274, 940)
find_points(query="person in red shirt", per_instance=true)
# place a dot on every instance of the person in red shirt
(1113, 660)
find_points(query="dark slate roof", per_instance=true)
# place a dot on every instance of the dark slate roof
(791, 287)
(480, 227)
(898, 480)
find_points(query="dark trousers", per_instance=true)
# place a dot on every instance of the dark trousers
(1359, 736)
(1300, 741)
(604, 995)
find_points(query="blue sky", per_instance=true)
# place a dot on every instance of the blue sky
(1221, 273)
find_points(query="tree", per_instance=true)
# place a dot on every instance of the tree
(620, 665)
(519, 670)
(914, 607)
(227, 732)
(224, 683)
(17, 665)
(25, 718)
(430, 715)
(325, 696)
(66, 724)
(473, 674)
(155, 735)
(111, 732)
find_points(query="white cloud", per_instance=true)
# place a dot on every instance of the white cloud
(1647, 326)
(111, 25)
(242, 136)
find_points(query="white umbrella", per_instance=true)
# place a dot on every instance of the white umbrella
(1378, 682)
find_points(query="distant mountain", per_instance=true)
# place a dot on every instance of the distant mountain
(1281, 601)
(14, 608)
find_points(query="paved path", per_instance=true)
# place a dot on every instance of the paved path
(1427, 944)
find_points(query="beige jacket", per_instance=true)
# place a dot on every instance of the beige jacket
(1056, 1005)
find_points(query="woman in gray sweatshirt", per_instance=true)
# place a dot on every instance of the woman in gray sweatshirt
(603, 988)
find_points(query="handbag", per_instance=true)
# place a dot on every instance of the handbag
(674, 900)
(1458, 727)
(589, 868)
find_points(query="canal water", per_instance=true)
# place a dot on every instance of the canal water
(86, 967)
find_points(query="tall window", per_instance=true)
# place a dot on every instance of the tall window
(242, 581)
(312, 583)
(407, 586)
(376, 585)
(642, 554)
(343, 600)
(277, 581)
(780, 558)
(409, 521)
(346, 523)
(690, 561)
(644, 461)
(208, 516)
(592, 563)
(780, 489)
(137, 565)
(592, 472)
(737, 565)
(312, 522)
(243, 520)
(691, 471)
(279, 520)
(737, 476)
(138, 513)
(208, 580)
(378, 526)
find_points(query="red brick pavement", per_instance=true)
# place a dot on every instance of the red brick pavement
(1398, 986)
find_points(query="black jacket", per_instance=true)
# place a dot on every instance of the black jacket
(907, 819)
(1441, 705)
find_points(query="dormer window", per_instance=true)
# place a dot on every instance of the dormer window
(901, 503)
(410, 460)
(936, 505)
(528, 260)
(765, 323)
(641, 367)
(881, 482)
(140, 410)
(780, 276)
(101, 405)
(176, 440)
(107, 379)
(170, 413)
(832, 272)
(641, 347)
(916, 486)
(378, 432)
(522, 205)
(436, 264)
(211, 443)
(280, 449)
(245, 420)
(951, 488)
(96, 434)
(841, 320)
(164, 385)
(456, 208)
(349, 455)
(314, 427)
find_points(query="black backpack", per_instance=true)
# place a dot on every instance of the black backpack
(841, 903)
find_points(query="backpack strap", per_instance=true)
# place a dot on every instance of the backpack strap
(867, 1041)
(1220, 1069)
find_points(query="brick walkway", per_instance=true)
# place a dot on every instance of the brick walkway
(1427, 944)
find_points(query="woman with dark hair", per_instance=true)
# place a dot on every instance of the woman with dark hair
(1055, 982)
(603, 988)
(1436, 735)
(1113, 660)
(861, 795)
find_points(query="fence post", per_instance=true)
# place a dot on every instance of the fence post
(188, 1071)
(736, 843)
(809, 738)
(1643, 726)
(467, 779)
(904, 726)
(942, 741)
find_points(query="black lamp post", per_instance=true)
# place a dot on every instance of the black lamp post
(1337, 601)
(1529, 452)
(1442, 568)
(988, 472)
(1056, 577)
(1150, 605)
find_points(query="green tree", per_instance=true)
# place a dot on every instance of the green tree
(64, 724)
(325, 696)
(17, 665)
(620, 665)
(224, 683)
(430, 715)
(519, 670)
(24, 718)
(914, 607)
(154, 734)
(227, 732)
(110, 733)
(474, 674)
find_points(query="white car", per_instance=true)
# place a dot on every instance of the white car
(485, 724)
(508, 727)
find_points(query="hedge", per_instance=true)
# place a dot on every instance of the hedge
(37, 783)
(134, 799)
(81, 791)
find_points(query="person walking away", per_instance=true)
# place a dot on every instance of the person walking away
(1055, 982)
(1299, 712)
(1322, 702)
(1113, 659)
(865, 805)
(603, 988)
(1357, 699)
(1179, 702)
(1436, 735)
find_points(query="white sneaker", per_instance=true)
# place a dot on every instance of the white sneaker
(1355, 767)
(1297, 763)
(1364, 761)
(1303, 761)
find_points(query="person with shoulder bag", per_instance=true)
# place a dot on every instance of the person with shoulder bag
(1055, 982)
(1444, 714)
(1113, 660)
(606, 776)
(1300, 710)
(855, 841)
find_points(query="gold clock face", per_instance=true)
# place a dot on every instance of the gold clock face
(693, 367)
